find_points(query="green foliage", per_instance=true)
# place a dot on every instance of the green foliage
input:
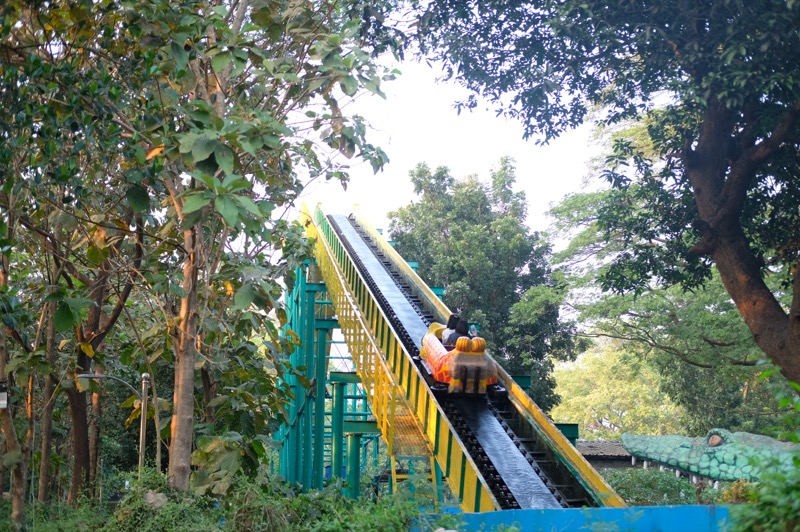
(275, 507)
(715, 84)
(650, 487)
(222, 458)
(469, 237)
(177, 511)
(738, 492)
(607, 396)
(58, 516)
(706, 359)
(150, 151)
(775, 505)
(250, 505)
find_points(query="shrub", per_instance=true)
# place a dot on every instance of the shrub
(58, 516)
(738, 492)
(277, 506)
(179, 511)
(775, 505)
(650, 487)
(251, 505)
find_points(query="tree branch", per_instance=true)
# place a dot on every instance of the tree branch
(126, 291)
(742, 171)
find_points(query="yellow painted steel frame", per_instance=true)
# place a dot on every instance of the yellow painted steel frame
(603, 494)
(392, 380)
(384, 395)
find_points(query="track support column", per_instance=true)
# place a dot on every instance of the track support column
(323, 332)
(353, 465)
(354, 430)
(339, 380)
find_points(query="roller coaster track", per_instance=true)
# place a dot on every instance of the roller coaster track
(495, 453)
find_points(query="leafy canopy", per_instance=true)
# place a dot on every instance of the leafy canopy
(704, 358)
(147, 155)
(470, 238)
(718, 87)
(607, 396)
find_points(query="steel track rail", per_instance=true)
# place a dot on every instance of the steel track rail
(438, 435)
(472, 445)
(530, 429)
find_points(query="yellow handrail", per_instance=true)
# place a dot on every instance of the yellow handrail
(576, 463)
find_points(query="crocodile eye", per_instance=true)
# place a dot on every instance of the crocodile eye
(715, 440)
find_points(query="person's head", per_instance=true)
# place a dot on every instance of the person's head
(462, 327)
(452, 322)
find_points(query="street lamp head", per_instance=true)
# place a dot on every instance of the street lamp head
(106, 376)
(3, 395)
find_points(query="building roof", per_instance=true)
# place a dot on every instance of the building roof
(602, 449)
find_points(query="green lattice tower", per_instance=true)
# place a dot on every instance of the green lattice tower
(307, 439)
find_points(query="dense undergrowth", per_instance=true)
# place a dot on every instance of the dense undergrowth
(267, 505)
(150, 506)
(650, 487)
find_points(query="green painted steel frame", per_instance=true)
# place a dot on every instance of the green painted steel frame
(303, 439)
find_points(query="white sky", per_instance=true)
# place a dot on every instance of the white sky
(418, 123)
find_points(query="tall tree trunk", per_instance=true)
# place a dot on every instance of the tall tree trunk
(720, 187)
(180, 449)
(94, 441)
(13, 448)
(80, 434)
(17, 469)
(49, 405)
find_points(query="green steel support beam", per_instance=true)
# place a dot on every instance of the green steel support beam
(323, 330)
(302, 440)
(308, 352)
(360, 427)
(437, 480)
(339, 379)
(295, 444)
(353, 465)
(344, 377)
(354, 431)
(337, 431)
(321, 367)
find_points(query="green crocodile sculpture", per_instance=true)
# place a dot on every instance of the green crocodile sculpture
(721, 455)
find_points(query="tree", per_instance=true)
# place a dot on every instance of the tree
(706, 360)
(607, 396)
(717, 83)
(470, 238)
(146, 153)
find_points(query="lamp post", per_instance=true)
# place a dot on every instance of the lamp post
(142, 401)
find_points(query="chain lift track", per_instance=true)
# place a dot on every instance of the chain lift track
(485, 466)
(456, 442)
(563, 494)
